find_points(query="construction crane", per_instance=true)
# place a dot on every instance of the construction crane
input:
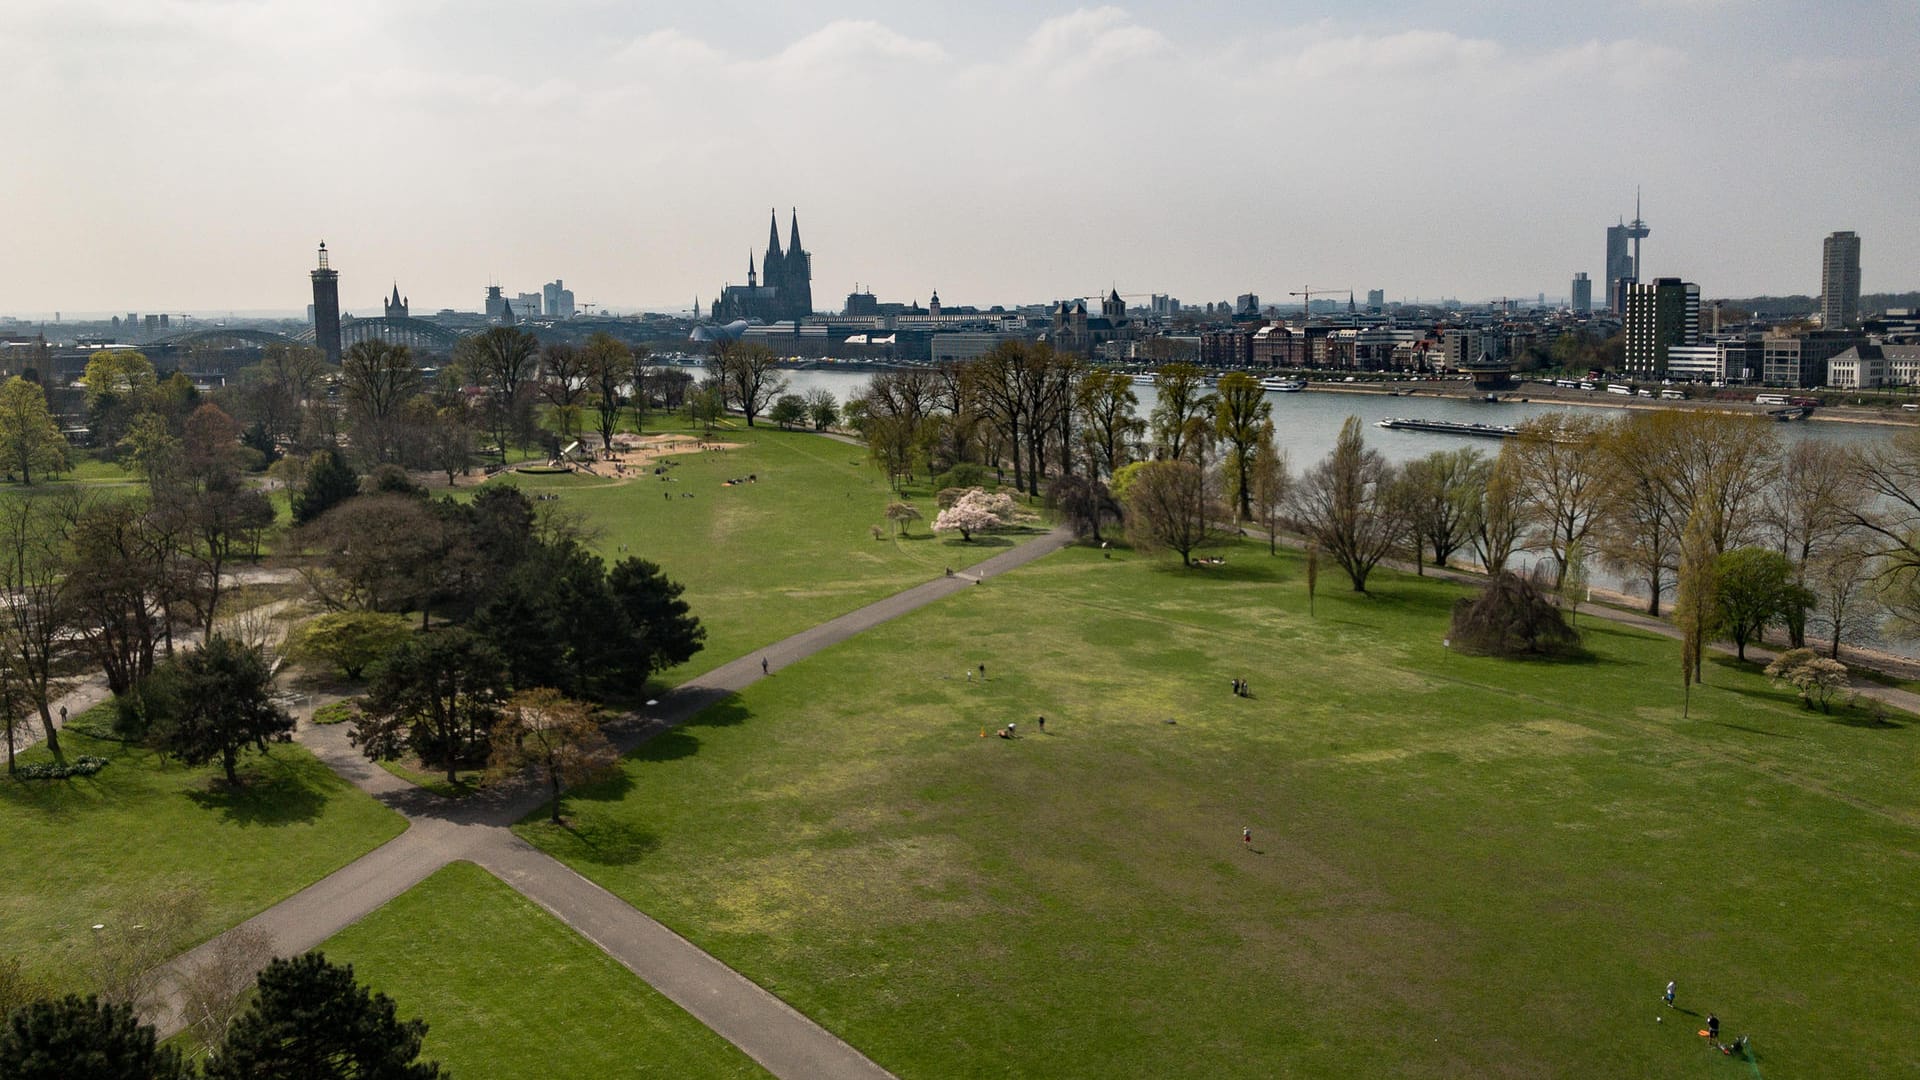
(1306, 299)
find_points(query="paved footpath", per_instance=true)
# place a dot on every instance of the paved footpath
(477, 828)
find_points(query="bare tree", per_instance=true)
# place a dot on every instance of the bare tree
(1109, 428)
(213, 992)
(1271, 482)
(1499, 519)
(1553, 457)
(34, 626)
(1345, 505)
(746, 374)
(501, 359)
(1841, 579)
(1173, 505)
(377, 379)
(607, 364)
(1442, 492)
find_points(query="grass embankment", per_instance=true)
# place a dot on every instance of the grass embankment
(764, 560)
(508, 992)
(89, 850)
(1461, 866)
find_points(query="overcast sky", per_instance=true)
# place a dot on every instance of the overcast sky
(176, 155)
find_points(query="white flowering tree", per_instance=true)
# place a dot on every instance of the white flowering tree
(978, 511)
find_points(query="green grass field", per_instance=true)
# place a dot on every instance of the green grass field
(508, 992)
(764, 560)
(86, 850)
(1461, 866)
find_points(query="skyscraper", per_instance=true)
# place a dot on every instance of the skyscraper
(1840, 281)
(1661, 313)
(326, 308)
(1582, 295)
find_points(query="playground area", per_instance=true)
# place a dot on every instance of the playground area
(631, 457)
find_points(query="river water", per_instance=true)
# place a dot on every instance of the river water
(1306, 424)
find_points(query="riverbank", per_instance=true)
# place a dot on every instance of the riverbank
(1544, 394)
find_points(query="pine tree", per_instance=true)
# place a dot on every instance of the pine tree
(312, 1021)
(75, 1039)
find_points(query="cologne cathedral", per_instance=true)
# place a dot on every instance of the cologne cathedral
(780, 290)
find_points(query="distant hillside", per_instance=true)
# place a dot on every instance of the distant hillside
(1788, 306)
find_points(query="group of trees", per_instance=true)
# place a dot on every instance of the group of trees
(523, 603)
(308, 1018)
(1836, 527)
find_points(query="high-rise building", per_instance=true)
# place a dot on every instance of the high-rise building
(1623, 262)
(1840, 281)
(1376, 301)
(558, 299)
(326, 308)
(1661, 313)
(1582, 295)
(529, 304)
(496, 303)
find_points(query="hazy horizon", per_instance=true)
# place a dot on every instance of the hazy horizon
(188, 155)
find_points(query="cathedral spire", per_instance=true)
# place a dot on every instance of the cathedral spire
(794, 243)
(752, 278)
(773, 236)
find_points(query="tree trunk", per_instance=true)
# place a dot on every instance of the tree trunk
(227, 759)
(1653, 594)
(554, 779)
(53, 734)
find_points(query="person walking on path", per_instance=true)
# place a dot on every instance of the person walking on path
(1668, 997)
(763, 665)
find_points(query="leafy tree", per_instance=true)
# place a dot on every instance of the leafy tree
(1817, 678)
(1109, 426)
(382, 552)
(1888, 524)
(1756, 589)
(1442, 491)
(1179, 419)
(558, 736)
(210, 520)
(822, 411)
(76, 1039)
(664, 631)
(903, 515)
(312, 1021)
(29, 438)
(1271, 483)
(978, 510)
(1573, 583)
(450, 439)
(120, 385)
(1242, 419)
(555, 621)
(1553, 462)
(352, 640)
(1497, 522)
(706, 404)
(225, 705)
(435, 695)
(789, 410)
(330, 482)
(1694, 602)
(607, 364)
(151, 446)
(1345, 505)
(1173, 505)
(747, 377)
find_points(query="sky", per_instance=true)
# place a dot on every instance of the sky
(188, 155)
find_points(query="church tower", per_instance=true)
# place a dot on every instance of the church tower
(796, 293)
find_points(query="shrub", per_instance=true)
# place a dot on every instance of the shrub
(336, 712)
(1511, 617)
(84, 765)
(963, 475)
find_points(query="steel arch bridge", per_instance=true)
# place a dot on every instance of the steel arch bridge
(413, 333)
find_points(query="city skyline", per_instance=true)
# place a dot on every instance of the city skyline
(1002, 158)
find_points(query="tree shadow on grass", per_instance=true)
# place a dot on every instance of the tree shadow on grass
(606, 842)
(275, 796)
(1855, 718)
(1753, 730)
(997, 541)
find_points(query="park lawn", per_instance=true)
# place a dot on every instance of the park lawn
(1460, 866)
(88, 850)
(765, 560)
(508, 991)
